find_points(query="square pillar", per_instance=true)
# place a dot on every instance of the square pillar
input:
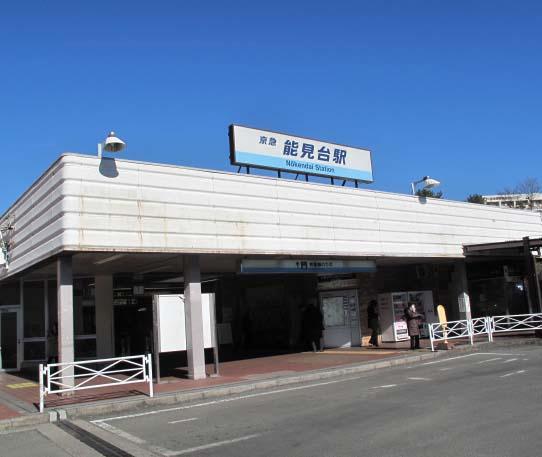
(103, 299)
(193, 317)
(461, 290)
(64, 278)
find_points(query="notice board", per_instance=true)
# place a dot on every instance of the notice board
(170, 322)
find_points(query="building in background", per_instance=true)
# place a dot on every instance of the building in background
(518, 201)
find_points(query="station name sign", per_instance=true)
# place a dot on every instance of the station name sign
(278, 151)
(253, 266)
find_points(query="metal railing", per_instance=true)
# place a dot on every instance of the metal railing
(516, 323)
(466, 328)
(80, 375)
(469, 328)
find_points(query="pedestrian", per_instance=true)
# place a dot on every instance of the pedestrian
(413, 322)
(313, 326)
(372, 322)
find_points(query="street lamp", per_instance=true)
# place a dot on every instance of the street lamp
(111, 144)
(428, 183)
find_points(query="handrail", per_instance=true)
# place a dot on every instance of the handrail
(484, 325)
(62, 377)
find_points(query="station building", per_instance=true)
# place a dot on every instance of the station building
(94, 239)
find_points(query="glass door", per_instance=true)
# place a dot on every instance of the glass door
(9, 340)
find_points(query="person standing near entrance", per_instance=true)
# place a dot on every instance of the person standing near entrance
(313, 324)
(372, 322)
(413, 325)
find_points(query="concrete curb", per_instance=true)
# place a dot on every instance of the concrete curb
(26, 421)
(173, 398)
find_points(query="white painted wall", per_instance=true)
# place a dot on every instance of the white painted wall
(164, 208)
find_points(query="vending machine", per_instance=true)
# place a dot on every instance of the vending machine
(392, 310)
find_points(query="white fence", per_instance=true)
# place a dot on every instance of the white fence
(74, 376)
(469, 328)
(516, 322)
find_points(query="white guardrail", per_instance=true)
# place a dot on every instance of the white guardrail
(80, 375)
(469, 328)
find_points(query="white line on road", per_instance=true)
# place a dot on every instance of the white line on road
(121, 433)
(450, 358)
(419, 379)
(489, 360)
(184, 420)
(211, 445)
(387, 386)
(496, 353)
(509, 360)
(225, 400)
(446, 369)
(513, 373)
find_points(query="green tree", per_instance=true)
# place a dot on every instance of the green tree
(476, 198)
(428, 193)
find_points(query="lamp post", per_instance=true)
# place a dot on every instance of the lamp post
(428, 183)
(111, 144)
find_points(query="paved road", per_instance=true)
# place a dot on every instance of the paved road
(475, 404)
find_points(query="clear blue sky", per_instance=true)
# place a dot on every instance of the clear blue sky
(452, 89)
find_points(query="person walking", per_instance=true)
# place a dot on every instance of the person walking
(372, 322)
(413, 322)
(313, 326)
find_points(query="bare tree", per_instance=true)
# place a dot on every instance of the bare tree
(529, 187)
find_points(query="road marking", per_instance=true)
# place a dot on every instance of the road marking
(387, 386)
(184, 420)
(450, 358)
(446, 369)
(419, 379)
(211, 445)
(509, 360)
(513, 373)
(224, 400)
(121, 433)
(496, 353)
(489, 360)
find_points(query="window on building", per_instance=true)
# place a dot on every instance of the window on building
(34, 309)
(10, 293)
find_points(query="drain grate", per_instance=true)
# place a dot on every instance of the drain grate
(91, 440)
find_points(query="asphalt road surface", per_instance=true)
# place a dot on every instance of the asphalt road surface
(474, 404)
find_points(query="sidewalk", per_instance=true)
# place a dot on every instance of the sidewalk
(19, 396)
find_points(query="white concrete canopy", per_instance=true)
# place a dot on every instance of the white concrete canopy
(82, 204)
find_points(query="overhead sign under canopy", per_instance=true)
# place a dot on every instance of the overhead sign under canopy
(279, 151)
(251, 266)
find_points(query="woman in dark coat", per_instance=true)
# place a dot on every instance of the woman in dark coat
(413, 322)
(372, 321)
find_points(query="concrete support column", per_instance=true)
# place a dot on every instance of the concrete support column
(193, 317)
(64, 278)
(103, 297)
(461, 290)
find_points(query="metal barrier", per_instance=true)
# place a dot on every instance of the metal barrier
(73, 376)
(466, 328)
(516, 323)
(469, 328)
